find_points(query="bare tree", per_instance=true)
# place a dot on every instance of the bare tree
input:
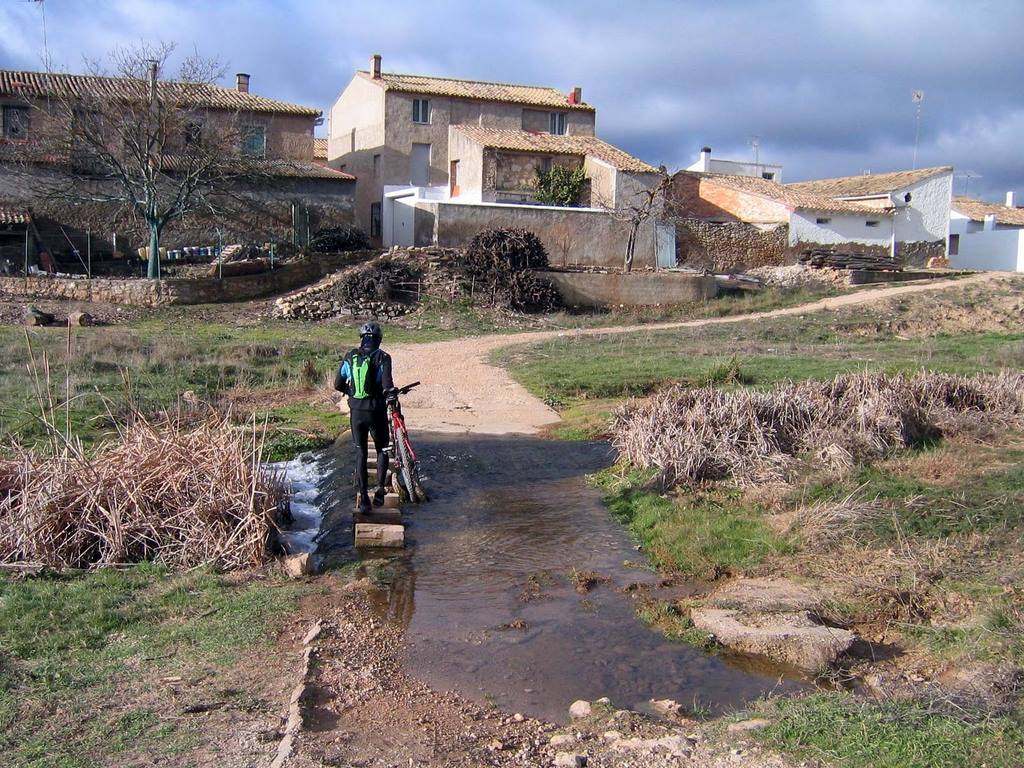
(136, 150)
(646, 202)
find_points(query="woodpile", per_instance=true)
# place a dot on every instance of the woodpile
(837, 260)
(694, 435)
(500, 263)
(180, 492)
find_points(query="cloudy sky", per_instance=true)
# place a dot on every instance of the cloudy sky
(825, 86)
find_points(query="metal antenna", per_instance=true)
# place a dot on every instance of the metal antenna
(46, 47)
(755, 142)
(917, 97)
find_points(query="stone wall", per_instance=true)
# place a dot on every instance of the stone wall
(916, 254)
(637, 289)
(731, 246)
(571, 236)
(177, 291)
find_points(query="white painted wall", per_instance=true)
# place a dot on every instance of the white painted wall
(708, 164)
(841, 228)
(998, 249)
(926, 218)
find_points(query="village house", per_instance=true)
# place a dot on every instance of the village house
(275, 131)
(439, 159)
(729, 222)
(986, 235)
(707, 164)
(918, 201)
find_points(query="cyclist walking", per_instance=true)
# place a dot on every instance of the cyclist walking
(365, 376)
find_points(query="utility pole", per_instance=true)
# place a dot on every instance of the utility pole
(755, 142)
(918, 98)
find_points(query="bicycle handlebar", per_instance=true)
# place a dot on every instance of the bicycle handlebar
(408, 388)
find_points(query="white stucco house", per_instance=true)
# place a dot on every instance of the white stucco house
(707, 164)
(918, 200)
(986, 235)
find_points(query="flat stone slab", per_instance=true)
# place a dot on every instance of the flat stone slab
(392, 501)
(379, 535)
(379, 516)
(765, 596)
(793, 638)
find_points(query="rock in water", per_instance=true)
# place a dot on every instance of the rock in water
(579, 709)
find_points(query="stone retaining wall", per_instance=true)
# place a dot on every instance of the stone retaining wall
(636, 289)
(732, 246)
(155, 293)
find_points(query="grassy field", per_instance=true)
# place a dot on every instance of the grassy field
(89, 660)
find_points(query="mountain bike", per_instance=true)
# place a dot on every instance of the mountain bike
(405, 471)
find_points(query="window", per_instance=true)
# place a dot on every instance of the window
(557, 123)
(15, 122)
(254, 141)
(954, 245)
(376, 166)
(374, 219)
(193, 134)
(769, 175)
(871, 223)
(421, 111)
(822, 220)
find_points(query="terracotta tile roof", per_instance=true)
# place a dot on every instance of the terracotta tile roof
(977, 210)
(13, 214)
(868, 183)
(525, 141)
(530, 95)
(62, 85)
(291, 169)
(319, 149)
(785, 194)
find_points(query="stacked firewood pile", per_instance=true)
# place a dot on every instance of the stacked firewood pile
(835, 260)
(499, 264)
(386, 287)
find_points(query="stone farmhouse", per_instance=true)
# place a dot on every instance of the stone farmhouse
(918, 200)
(439, 159)
(278, 132)
(986, 235)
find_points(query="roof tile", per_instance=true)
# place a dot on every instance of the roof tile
(63, 85)
(525, 141)
(977, 210)
(869, 183)
(786, 194)
(530, 95)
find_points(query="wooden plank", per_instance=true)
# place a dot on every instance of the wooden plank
(392, 501)
(379, 535)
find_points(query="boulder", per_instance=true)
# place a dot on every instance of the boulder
(789, 637)
(297, 566)
(579, 709)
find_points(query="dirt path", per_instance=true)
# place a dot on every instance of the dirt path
(462, 392)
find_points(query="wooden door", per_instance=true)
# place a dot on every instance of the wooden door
(453, 178)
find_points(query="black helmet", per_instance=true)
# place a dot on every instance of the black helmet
(372, 330)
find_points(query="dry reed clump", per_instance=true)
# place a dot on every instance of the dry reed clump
(180, 492)
(694, 435)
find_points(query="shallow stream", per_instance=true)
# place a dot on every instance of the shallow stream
(485, 592)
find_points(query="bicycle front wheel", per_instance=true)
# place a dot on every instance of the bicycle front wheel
(404, 464)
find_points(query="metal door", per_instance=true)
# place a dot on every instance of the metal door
(665, 245)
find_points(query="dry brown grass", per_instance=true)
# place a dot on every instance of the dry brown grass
(694, 435)
(182, 492)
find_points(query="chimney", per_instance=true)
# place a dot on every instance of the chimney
(375, 66)
(990, 222)
(1011, 200)
(576, 97)
(242, 82)
(705, 159)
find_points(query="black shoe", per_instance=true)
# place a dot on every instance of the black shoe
(378, 497)
(364, 504)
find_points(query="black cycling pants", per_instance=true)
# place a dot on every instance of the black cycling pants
(365, 423)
